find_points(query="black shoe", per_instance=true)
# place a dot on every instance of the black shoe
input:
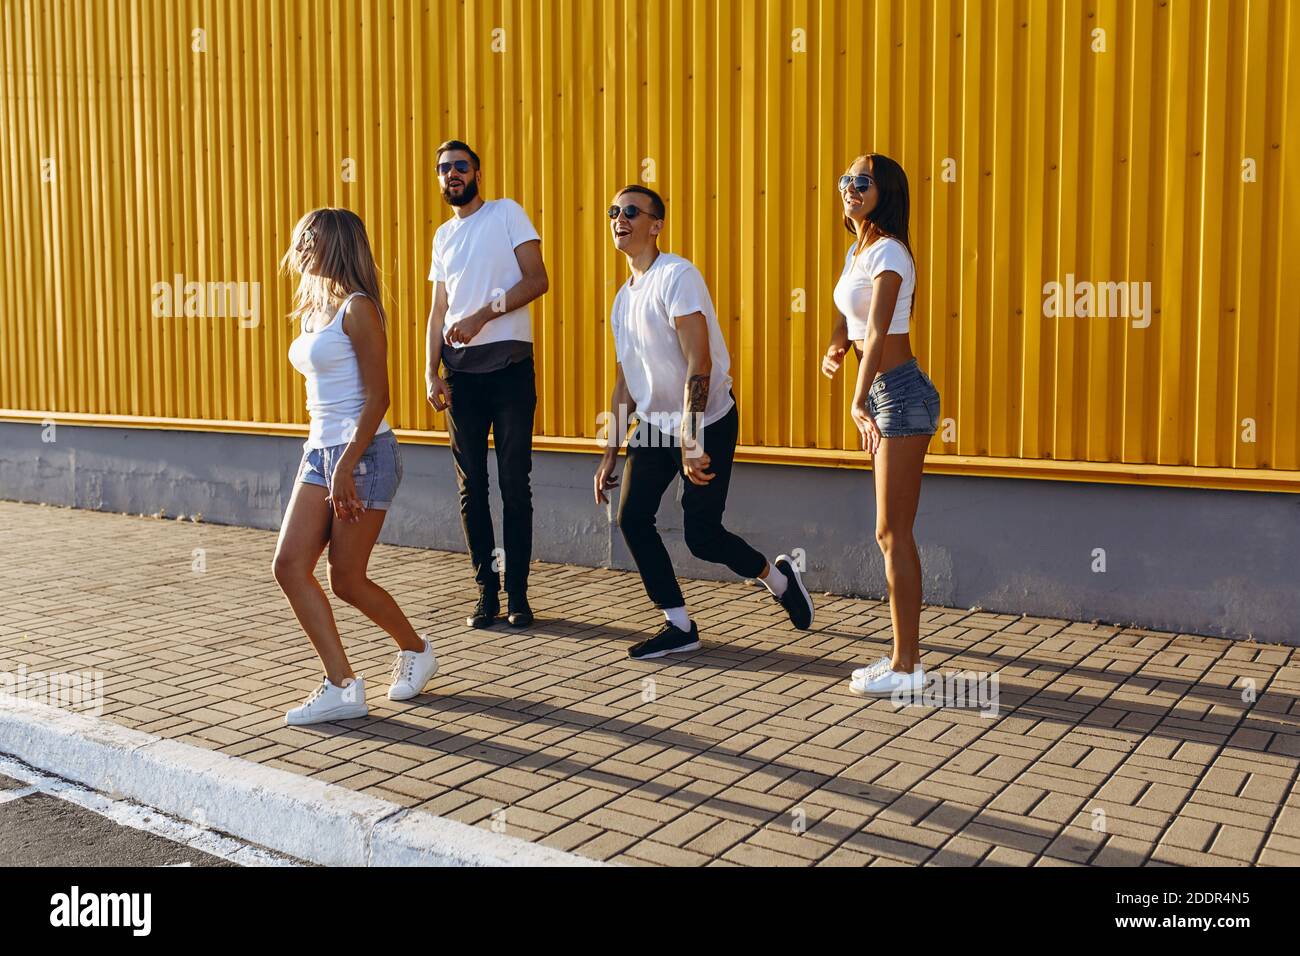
(521, 615)
(671, 639)
(795, 600)
(485, 611)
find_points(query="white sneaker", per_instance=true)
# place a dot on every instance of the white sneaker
(873, 668)
(888, 682)
(411, 671)
(329, 702)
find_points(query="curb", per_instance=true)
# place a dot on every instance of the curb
(306, 818)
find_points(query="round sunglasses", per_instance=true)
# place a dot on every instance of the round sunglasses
(629, 212)
(861, 182)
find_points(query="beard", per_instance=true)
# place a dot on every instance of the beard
(467, 194)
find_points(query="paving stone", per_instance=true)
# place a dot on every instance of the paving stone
(751, 753)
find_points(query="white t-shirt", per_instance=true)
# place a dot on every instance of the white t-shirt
(644, 320)
(475, 257)
(853, 291)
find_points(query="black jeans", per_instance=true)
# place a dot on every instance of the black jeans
(503, 401)
(653, 461)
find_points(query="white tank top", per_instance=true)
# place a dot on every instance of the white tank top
(335, 393)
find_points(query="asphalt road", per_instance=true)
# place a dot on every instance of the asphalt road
(38, 829)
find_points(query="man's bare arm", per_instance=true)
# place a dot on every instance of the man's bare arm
(693, 336)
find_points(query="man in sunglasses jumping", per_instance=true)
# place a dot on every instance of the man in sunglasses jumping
(672, 372)
(486, 267)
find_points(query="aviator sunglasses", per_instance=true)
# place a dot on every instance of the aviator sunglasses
(861, 182)
(460, 165)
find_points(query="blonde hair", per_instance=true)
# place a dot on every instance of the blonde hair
(331, 253)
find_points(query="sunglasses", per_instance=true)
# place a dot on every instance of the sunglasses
(629, 212)
(461, 166)
(861, 182)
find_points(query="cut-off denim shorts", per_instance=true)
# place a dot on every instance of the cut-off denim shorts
(377, 475)
(904, 402)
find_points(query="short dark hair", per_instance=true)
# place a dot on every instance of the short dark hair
(460, 145)
(656, 201)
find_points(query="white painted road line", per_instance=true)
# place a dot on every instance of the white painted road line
(285, 812)
(7, 795)
(138, 817)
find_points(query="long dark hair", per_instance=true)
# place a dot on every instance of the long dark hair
(890, 216)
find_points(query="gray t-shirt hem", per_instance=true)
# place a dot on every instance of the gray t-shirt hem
(491, 357)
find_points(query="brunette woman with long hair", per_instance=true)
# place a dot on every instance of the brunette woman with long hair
(895, 405)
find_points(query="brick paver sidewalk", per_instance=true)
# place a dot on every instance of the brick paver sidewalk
(1110, 746)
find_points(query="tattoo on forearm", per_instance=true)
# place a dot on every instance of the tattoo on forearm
(697, 393)
(697, 396)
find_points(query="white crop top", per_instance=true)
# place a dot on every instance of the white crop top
(335, 392)
(853, 290)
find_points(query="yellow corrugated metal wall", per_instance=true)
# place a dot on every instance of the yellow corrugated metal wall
(147, 139)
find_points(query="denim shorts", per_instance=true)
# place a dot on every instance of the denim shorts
(376, 476)
(904, 402)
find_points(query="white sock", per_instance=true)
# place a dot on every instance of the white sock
(775, 581)
(678, 618)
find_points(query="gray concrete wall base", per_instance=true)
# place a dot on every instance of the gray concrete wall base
(1219, 563)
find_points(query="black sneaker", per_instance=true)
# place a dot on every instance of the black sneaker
(485, 611)
(795, 600)
(671, 639)
(520, 614)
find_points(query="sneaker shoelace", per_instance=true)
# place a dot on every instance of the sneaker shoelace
(876, 668)
(403, 666)
(671, 628)
(324, 685)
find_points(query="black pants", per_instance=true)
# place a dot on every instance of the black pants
(653, 462)
(503, 401)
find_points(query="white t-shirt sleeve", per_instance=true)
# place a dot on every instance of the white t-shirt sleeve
(436, 271)
(518, 226)
(685, 293)
(892, 257)
(616, 326)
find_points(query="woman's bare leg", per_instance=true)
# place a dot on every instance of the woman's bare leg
(350, 547)
(898, 465)
(303, 536)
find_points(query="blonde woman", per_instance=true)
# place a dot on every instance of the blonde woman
(895, 405)
(351, 465)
